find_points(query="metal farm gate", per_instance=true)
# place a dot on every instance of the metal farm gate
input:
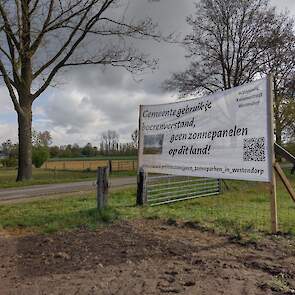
(164, 189)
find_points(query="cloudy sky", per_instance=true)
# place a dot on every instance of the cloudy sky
(92, 100)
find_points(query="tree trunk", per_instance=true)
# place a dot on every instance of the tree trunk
(278, 126)
(278, 139)
(25, 144)
(279, 136)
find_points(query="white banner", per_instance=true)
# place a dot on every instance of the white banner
(223, 135)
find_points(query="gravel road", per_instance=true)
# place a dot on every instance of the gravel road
(50, 189)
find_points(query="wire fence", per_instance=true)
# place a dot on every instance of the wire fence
(114, 165)
(230, 206)
(170, 188)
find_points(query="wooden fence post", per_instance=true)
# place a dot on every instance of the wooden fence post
(141, 197)
(219, 185)
(273, 204)
(102, 187)
(272, 183)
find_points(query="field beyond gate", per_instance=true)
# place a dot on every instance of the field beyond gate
(115, 165)
(165, 189)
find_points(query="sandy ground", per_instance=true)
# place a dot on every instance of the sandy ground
(145, 257)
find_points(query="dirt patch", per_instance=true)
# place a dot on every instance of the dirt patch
(145, 257)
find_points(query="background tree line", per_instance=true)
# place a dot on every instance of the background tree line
(40, 150)
(110, 145)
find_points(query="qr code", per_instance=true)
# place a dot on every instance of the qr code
(254, 149)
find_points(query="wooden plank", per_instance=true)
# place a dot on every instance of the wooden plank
(284, 153)
(272, 184)
(285, 180)
(273, 204)
(141, 192)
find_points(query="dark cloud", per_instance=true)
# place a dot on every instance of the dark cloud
(94, 99)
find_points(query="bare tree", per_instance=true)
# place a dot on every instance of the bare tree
(134, 137)
(226, 43)
(40, 37)
(110, 140)
(279, 60)
(41, 138)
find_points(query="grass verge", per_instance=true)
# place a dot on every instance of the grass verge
(244, 209)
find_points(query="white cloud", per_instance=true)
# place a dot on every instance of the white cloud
(8, 131)
(5, 101)
(82, 111)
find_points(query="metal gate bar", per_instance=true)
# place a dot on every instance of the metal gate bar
(154, 179)
(164, 189)
(186, 189)
(183, 199)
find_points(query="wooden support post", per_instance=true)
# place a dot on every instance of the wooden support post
(285, 180)
(141, 191)
(271, 154)
(273, 204)
(102, 187)
(219, 185)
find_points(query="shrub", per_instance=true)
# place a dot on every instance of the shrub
(40, 155)
(9, 162)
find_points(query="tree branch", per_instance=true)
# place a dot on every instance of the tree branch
(88, 27)
(8, 30)
(38, 40)
(7, 81)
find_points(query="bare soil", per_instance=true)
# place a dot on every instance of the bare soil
(145, 257)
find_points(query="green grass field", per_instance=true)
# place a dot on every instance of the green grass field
(43, 176)
(244, 209)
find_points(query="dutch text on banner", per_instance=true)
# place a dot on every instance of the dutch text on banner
(223, 135)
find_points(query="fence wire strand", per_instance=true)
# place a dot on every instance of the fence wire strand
(244, 207)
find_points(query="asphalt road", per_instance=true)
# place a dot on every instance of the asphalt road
(52, 189)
